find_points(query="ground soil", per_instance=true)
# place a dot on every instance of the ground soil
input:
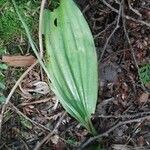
(123, 108)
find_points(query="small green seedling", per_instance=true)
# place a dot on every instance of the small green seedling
(144, 73)
(2, 82)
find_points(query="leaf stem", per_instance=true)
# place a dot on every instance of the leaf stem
(91, 128)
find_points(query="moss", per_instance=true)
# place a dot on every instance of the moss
(10, 25)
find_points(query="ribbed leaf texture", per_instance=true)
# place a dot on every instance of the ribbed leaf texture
(71, 61)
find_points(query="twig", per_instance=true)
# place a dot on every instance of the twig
(97, 35)
(26, 146)
(116, 1)
(106, 101)
(12, 91)
(1, 146)
(127, 147)
(50, 134)
(128, 39)
(130, 46)
(109, 6)
(112, 33)
(112, 129)
(86, 9)
(134, 10)
(132, 133)
(123, 116)
(126, 16)
(36, 102)
(27, 118)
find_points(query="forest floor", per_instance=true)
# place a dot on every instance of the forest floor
(33, 118)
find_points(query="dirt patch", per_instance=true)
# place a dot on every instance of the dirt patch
(121, 31)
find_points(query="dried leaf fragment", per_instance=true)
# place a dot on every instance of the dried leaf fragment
(144, 98)
(19, 61)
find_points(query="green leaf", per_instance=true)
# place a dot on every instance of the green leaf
(72, 61)
(25, 122)
(2, 99)
(3, 66)
(2, 86)
(144, 74)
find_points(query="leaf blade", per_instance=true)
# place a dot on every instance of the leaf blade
(72, 61)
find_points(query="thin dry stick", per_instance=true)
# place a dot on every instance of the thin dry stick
(124, 116)
(36, 102)
(30, 120)
(112, 33)
(26, 146)
(50, 134)
(134, 10)
(106, 101)
(109, 6)
(128, 147)
(129, 42)
(12, 91)
(131, 48)
(112, 129)
(86, 9)
(97, 35)
(129, 138)
(127, 17)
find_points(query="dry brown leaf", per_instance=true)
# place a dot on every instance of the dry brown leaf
(28, 109)
(57, 143)
(39, 87)
(55, 139)
(141, 141)
(19, 61)
(144, 97)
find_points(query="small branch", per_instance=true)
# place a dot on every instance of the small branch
(50, 134)
(86, 9)
(130, 46)
(112, 33)
(106, 101)
(36, 102)
(109, 6)
(128, 147)
(116, 1)
(12, 91)
(27, 118)
(97, 35)
(112, 129)
(123, 116)
(126, 16)
(134, 10)
(129, 42)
